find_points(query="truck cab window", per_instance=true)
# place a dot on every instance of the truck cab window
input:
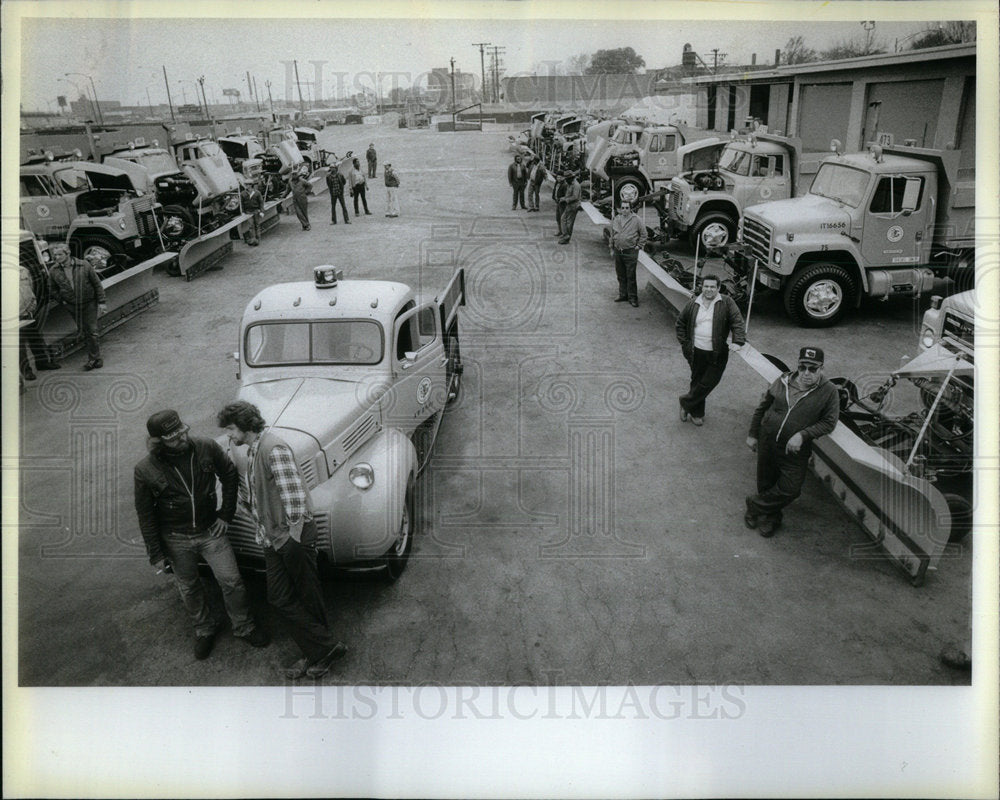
(407, 337)
(888, 196)
(33, 186)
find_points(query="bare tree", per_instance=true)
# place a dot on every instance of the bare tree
(950, 32)
(796, 52)
(578, 64)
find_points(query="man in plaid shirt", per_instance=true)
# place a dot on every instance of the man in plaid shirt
(282, 510)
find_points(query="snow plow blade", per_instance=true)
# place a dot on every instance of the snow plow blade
(128, 293)
(271, 215)
(905, 517)
(207, 250)
(317, 180)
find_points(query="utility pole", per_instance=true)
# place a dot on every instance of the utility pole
(298, 86)
(482, 69)
(270, 102)
(496, 72)
(150, 102)
(716, 56)
(256, 97)
(201, 83)
(453, 90)
(169, 101)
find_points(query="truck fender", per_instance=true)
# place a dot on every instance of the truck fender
(363, 522)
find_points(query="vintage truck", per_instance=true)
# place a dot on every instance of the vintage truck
(720, 178)
(97, 209)
(638, 159)
(355, 376)
(889, 222)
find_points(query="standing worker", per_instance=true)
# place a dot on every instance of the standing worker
(558, 193)
(517, 177)
(175, 500)
(572, 197)
(76, 285)
(31, 338)
(358, 187)
(535, 180)
(703, 326)
(299, 197)
(253, 203)
(797, 408)
(392, 191)
(372, 157)
(628, 235)
(336, 182)
(286, 531)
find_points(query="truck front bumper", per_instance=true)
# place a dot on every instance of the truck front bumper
(768, 278)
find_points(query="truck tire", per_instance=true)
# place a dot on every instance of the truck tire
(715, 229)
(961, 516)
(398, 554)
(105, 246)
(819, 295)
(628, 188)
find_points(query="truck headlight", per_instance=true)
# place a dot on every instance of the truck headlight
(232, 204)
(927, 338)
(687, 205)
(362, 476)
(776, 256)
(121, 224)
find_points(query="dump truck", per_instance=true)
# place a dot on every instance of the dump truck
(355, 375)
(720, 178)
(890, 222)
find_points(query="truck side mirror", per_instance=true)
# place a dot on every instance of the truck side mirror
(911, 194)
(409, 359)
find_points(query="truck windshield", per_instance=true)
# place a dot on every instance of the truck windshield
(71, 180)
(271, 344)
(623, 136)
(735, 161)
(157, 163)
(840, 182)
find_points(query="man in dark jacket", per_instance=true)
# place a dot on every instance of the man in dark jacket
(517, 177)
(796, 409)
(75, 284)
(31, 338)
(336, 183)
(536, 177)
(372, 158)
(703, 327)
(558, 192)
(175, 500)
(572, 199)
(300, 199)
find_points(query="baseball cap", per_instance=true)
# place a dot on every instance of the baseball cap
(166, 425)
(811, 355)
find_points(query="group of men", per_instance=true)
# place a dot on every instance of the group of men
(354, 183)
(183, 522)
(73, 283)
(568, 193)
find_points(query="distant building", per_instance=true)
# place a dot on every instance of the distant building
(592, 92)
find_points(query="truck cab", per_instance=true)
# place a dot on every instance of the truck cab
(355, 376)
(218, 188)
(637, 168)
(720, 178)
(97, 209)
(875, 224)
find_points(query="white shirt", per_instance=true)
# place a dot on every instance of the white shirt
(703, 323)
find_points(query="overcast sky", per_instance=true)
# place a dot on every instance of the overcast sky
(124, 57)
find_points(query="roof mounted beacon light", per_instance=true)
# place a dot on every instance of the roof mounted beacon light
(835, 146)
(326, 276)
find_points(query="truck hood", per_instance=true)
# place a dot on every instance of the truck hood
(801, 213)
(127, 177)
(211, 175)
(700, 155)
(318, 407)
(287, 153)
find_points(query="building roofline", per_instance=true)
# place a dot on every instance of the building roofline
(945, 52)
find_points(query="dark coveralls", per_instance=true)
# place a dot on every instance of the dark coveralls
(780, 416)
(300, 200)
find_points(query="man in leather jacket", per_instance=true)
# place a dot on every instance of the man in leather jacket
(176, 502)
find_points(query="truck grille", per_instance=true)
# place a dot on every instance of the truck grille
(146, 223)
(757, 237)
(674, 201)
(958, 335)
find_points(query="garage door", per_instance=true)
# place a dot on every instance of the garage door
(824, 109)
(906, 109)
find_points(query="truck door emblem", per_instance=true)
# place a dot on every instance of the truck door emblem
(662, 161)
(43, 211)
(423, 390)
(765, 192)
(894, 234)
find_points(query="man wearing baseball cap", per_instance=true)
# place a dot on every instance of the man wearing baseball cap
(797, 408)
(176, 502)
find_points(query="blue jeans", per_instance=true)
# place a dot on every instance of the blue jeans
(183, 550)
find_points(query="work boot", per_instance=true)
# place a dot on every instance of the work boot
(319, 668)
(750, 516)
(203, 646)
(297, 670)
(621, 298)
(684, 414)
(45, 365)
(956, 658)
(29, 374)
(766, 527)
(257, 637)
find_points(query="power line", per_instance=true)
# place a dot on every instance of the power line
(482, 67)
